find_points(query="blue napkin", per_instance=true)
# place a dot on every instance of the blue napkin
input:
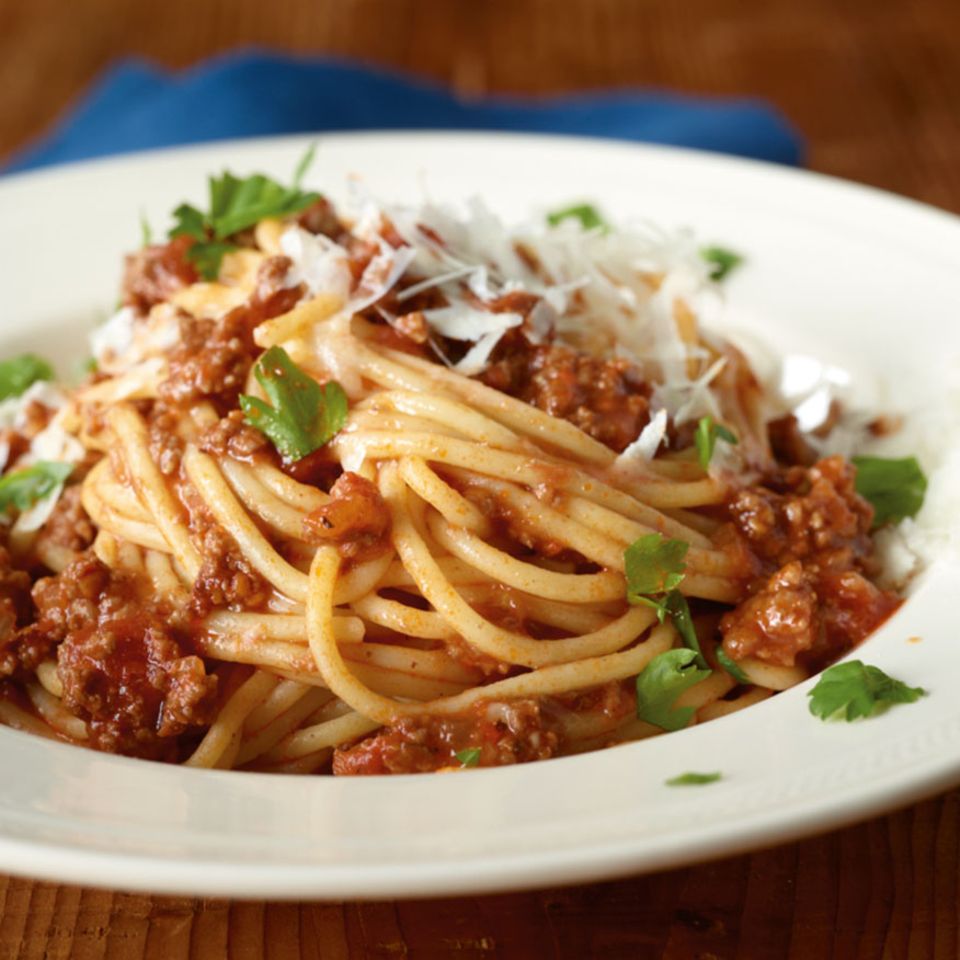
(136, 105)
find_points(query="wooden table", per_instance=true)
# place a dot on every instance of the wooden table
(875, 86)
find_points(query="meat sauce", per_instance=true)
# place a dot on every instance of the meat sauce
(812, 598)
(607, 399)
(125, 668)
(496, 734)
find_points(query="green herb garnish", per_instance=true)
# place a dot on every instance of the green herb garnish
(23, 488)
(731, 666)
(588, 215)
(302, 415)
(662, 681)
(693, 779)
(854, 689)
(895, 488)
(469, 757)
(722, 261)
(20, 372)
(654, 568)
(235, 205)
(706, 438)
(653, 565)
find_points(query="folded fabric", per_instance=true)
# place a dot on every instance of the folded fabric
(136, 105)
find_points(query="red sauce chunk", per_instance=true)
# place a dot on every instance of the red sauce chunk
(157, 271)
(356, 518)
(504, 733)
(813, 599)
(124, 667)
(605, 398)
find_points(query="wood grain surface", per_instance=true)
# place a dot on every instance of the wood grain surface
(875, 87)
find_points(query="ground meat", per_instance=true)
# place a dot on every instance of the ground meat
(154, 273)
(166, 444)
(68, 527)
(272, 296)
(128, 678)
(778, 622)
(226, 578)
(232, 436)
(505, 733)
(71, 600)
(356, 519)
(213, 357)
(211, 361)
(797, 613)
(814, 514)
(321, 217)
(812, 599)
(125, 667)
(605, 398)
(21, 649)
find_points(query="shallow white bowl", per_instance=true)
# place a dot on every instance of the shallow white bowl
(861, 279)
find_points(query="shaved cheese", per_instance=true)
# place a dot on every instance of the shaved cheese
(380, 276)
(318, 263)
(465, 323)
(113, 338)
(431, 282)
(647, 444)
(13, 410)
(475, 359)
(127, 338)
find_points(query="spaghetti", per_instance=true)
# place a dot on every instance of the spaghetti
(450, 570)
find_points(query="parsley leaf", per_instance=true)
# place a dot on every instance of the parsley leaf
(676, 605)
(706, 438)
(207, 255)
(730, 665)
(302, 415)
(693, 779)
(235, 205)
(588, 215)
(17, 374)
(469, 757)
(23, 488)
(896, 488)
(723, 261)
(855, 689)
(665, 677)
(653, 565)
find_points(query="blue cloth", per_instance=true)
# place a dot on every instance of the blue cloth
(136, 105)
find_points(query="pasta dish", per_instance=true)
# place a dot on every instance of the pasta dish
(411, 491)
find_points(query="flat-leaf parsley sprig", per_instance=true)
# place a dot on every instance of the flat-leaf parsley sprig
(853, 690)
(21, 372)
(654, 567)
(664, 678)
(237, 204)
(302, 415)
(895, 488)
(693, 779)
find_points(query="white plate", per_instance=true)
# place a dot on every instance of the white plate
(862, 279)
